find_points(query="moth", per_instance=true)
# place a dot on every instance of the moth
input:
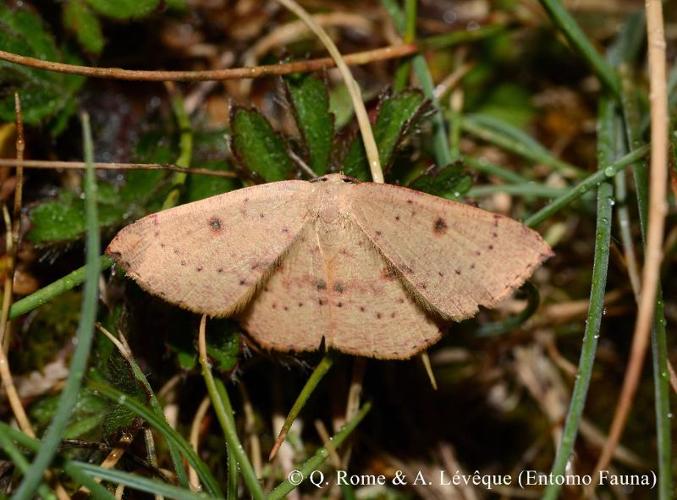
(370, 269)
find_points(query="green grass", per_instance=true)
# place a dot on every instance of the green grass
(78, 365)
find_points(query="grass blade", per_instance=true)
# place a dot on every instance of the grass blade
(154, 403)
(605, 201)
(54, 289)
(488, 168)
(68, 398)
(528, 189)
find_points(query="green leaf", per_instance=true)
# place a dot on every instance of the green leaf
(396, 114)
(310, 102)
(80, 19)
(45, 95)
(63, 220)
(118, 421)
(124, 9)
(449, 182)
(258, 147)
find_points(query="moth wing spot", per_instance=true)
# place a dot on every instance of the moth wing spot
(440, 226)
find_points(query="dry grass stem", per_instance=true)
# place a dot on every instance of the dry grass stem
(195, 433)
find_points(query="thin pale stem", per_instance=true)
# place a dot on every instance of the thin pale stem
(78, 364)
(195, 431)
(353, 88)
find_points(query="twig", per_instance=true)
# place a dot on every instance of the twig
(657, 213)
(302, 164)
(16, 213)
(5, 373)
(357, 58)
(13, 227)
(12, 237)
(12, 244)
(196, 97)
(80, 165)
